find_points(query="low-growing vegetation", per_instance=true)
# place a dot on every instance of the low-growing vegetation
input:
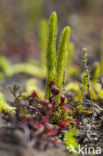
(58, 113)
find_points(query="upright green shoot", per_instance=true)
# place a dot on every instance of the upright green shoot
(51, 49)
(71, 49)
(61, 57)
(43, 42)
(86, 74)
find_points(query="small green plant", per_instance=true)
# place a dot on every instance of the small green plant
(47, 118)
(91, 87)
(43, 42)
(61, 57)
(51, 50)
(86, 74)
(56, 63)
(71, 50)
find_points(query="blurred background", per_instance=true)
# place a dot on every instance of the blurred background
(20, 26)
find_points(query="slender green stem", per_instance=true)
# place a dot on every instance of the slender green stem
(51, 50)
(43, 42)
(61, 57)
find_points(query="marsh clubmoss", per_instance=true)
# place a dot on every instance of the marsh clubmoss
(43, 42)
(51, 49)
(61, 57)
(56, 108)
(56, 63)
(85, 75)
(71, 50)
